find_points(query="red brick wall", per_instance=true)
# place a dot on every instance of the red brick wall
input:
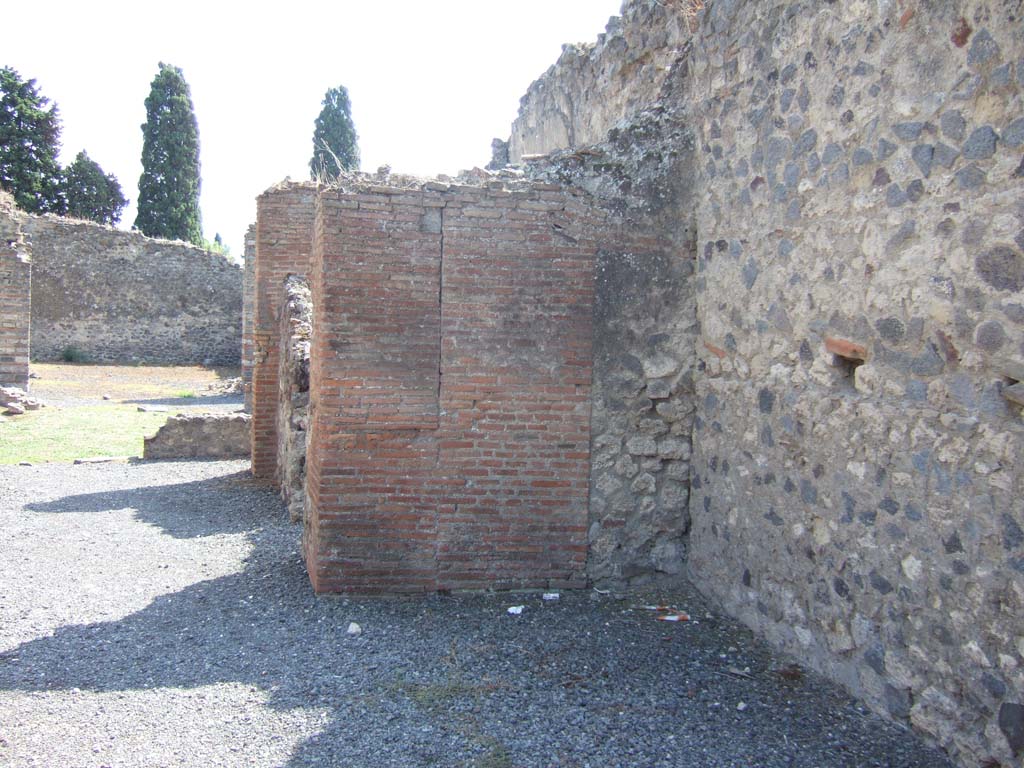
(450, 390)
(15, 299)
(284, 237)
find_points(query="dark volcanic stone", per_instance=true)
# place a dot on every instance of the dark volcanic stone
(1001, 267)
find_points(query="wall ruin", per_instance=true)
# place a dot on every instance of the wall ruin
(15, 296)
(284, 245)
(856, 486)
(450, 388)
(104, 295)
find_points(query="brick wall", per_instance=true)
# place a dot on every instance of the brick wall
(450, 389)
(15, 297)
(284, 229)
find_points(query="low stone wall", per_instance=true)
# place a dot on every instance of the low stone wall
(293, 404)
(15, 296)
(202, 436)
(104, 295)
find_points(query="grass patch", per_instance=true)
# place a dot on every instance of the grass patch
(186, 395)
(63, 435)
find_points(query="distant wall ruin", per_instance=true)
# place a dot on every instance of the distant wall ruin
(15, 296)
(105, 295)
(248, 299)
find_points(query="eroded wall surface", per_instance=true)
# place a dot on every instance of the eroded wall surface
(105, 295)
(293, 393)
(645, 339)
(450, 388)
(857, 485)
(593, 86)
(15, 296)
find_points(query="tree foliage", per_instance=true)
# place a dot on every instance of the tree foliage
(169, 185)
(92, 194)
(335, 142)
(29, 145)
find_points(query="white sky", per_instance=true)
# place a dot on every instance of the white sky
(431, 83)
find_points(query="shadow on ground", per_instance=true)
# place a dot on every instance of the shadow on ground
(449, 681)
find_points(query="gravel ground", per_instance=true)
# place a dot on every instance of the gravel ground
(158, 614)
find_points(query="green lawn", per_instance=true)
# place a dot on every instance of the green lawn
(67, 434)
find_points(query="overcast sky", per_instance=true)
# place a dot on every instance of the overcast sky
(431, 83)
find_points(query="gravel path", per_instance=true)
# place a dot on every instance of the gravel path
(158, 614)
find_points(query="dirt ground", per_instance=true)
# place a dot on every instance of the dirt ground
(190, 387)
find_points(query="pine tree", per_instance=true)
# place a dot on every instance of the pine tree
(92, 194)
(29, 145)
(169, 185)
(334, 137)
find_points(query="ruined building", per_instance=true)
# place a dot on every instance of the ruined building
(750, 308)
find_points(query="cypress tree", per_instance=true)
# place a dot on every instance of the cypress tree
(169, 185)
(29, 145)
(92, 194)
(334, 137)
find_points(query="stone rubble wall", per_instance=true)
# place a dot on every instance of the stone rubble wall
(293, 406)
(593, 86)
(200, 436)
(248, 297)
(645, 339)
(105, 295)
(857, 486)
(15, 296)
(856, 492)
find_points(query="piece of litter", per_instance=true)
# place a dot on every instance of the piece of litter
(354, 630)
(673, 616)
(515, 610)
(551, 596)
(741, 706)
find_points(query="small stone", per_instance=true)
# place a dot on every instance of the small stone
(1013, 134)
(981, 144)
(659, 389)
(106, 397)
(983, 50)
(885, 150)
(922, 155)
(354, 630)
(862, 156)
(881, 584)
(908, 131)
(153, 409)
(1011, 723)
(808, 140)
(765, 401)
(945, 155)
(831, 154)
(890, 329)
(642, 445)
(970, 177)
(1001, 267)
(953, 125)
(881, 178)
(750, 273)
(895, 196)
(741, 707)
(14, 409)
(990, 336)
(915, 190)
